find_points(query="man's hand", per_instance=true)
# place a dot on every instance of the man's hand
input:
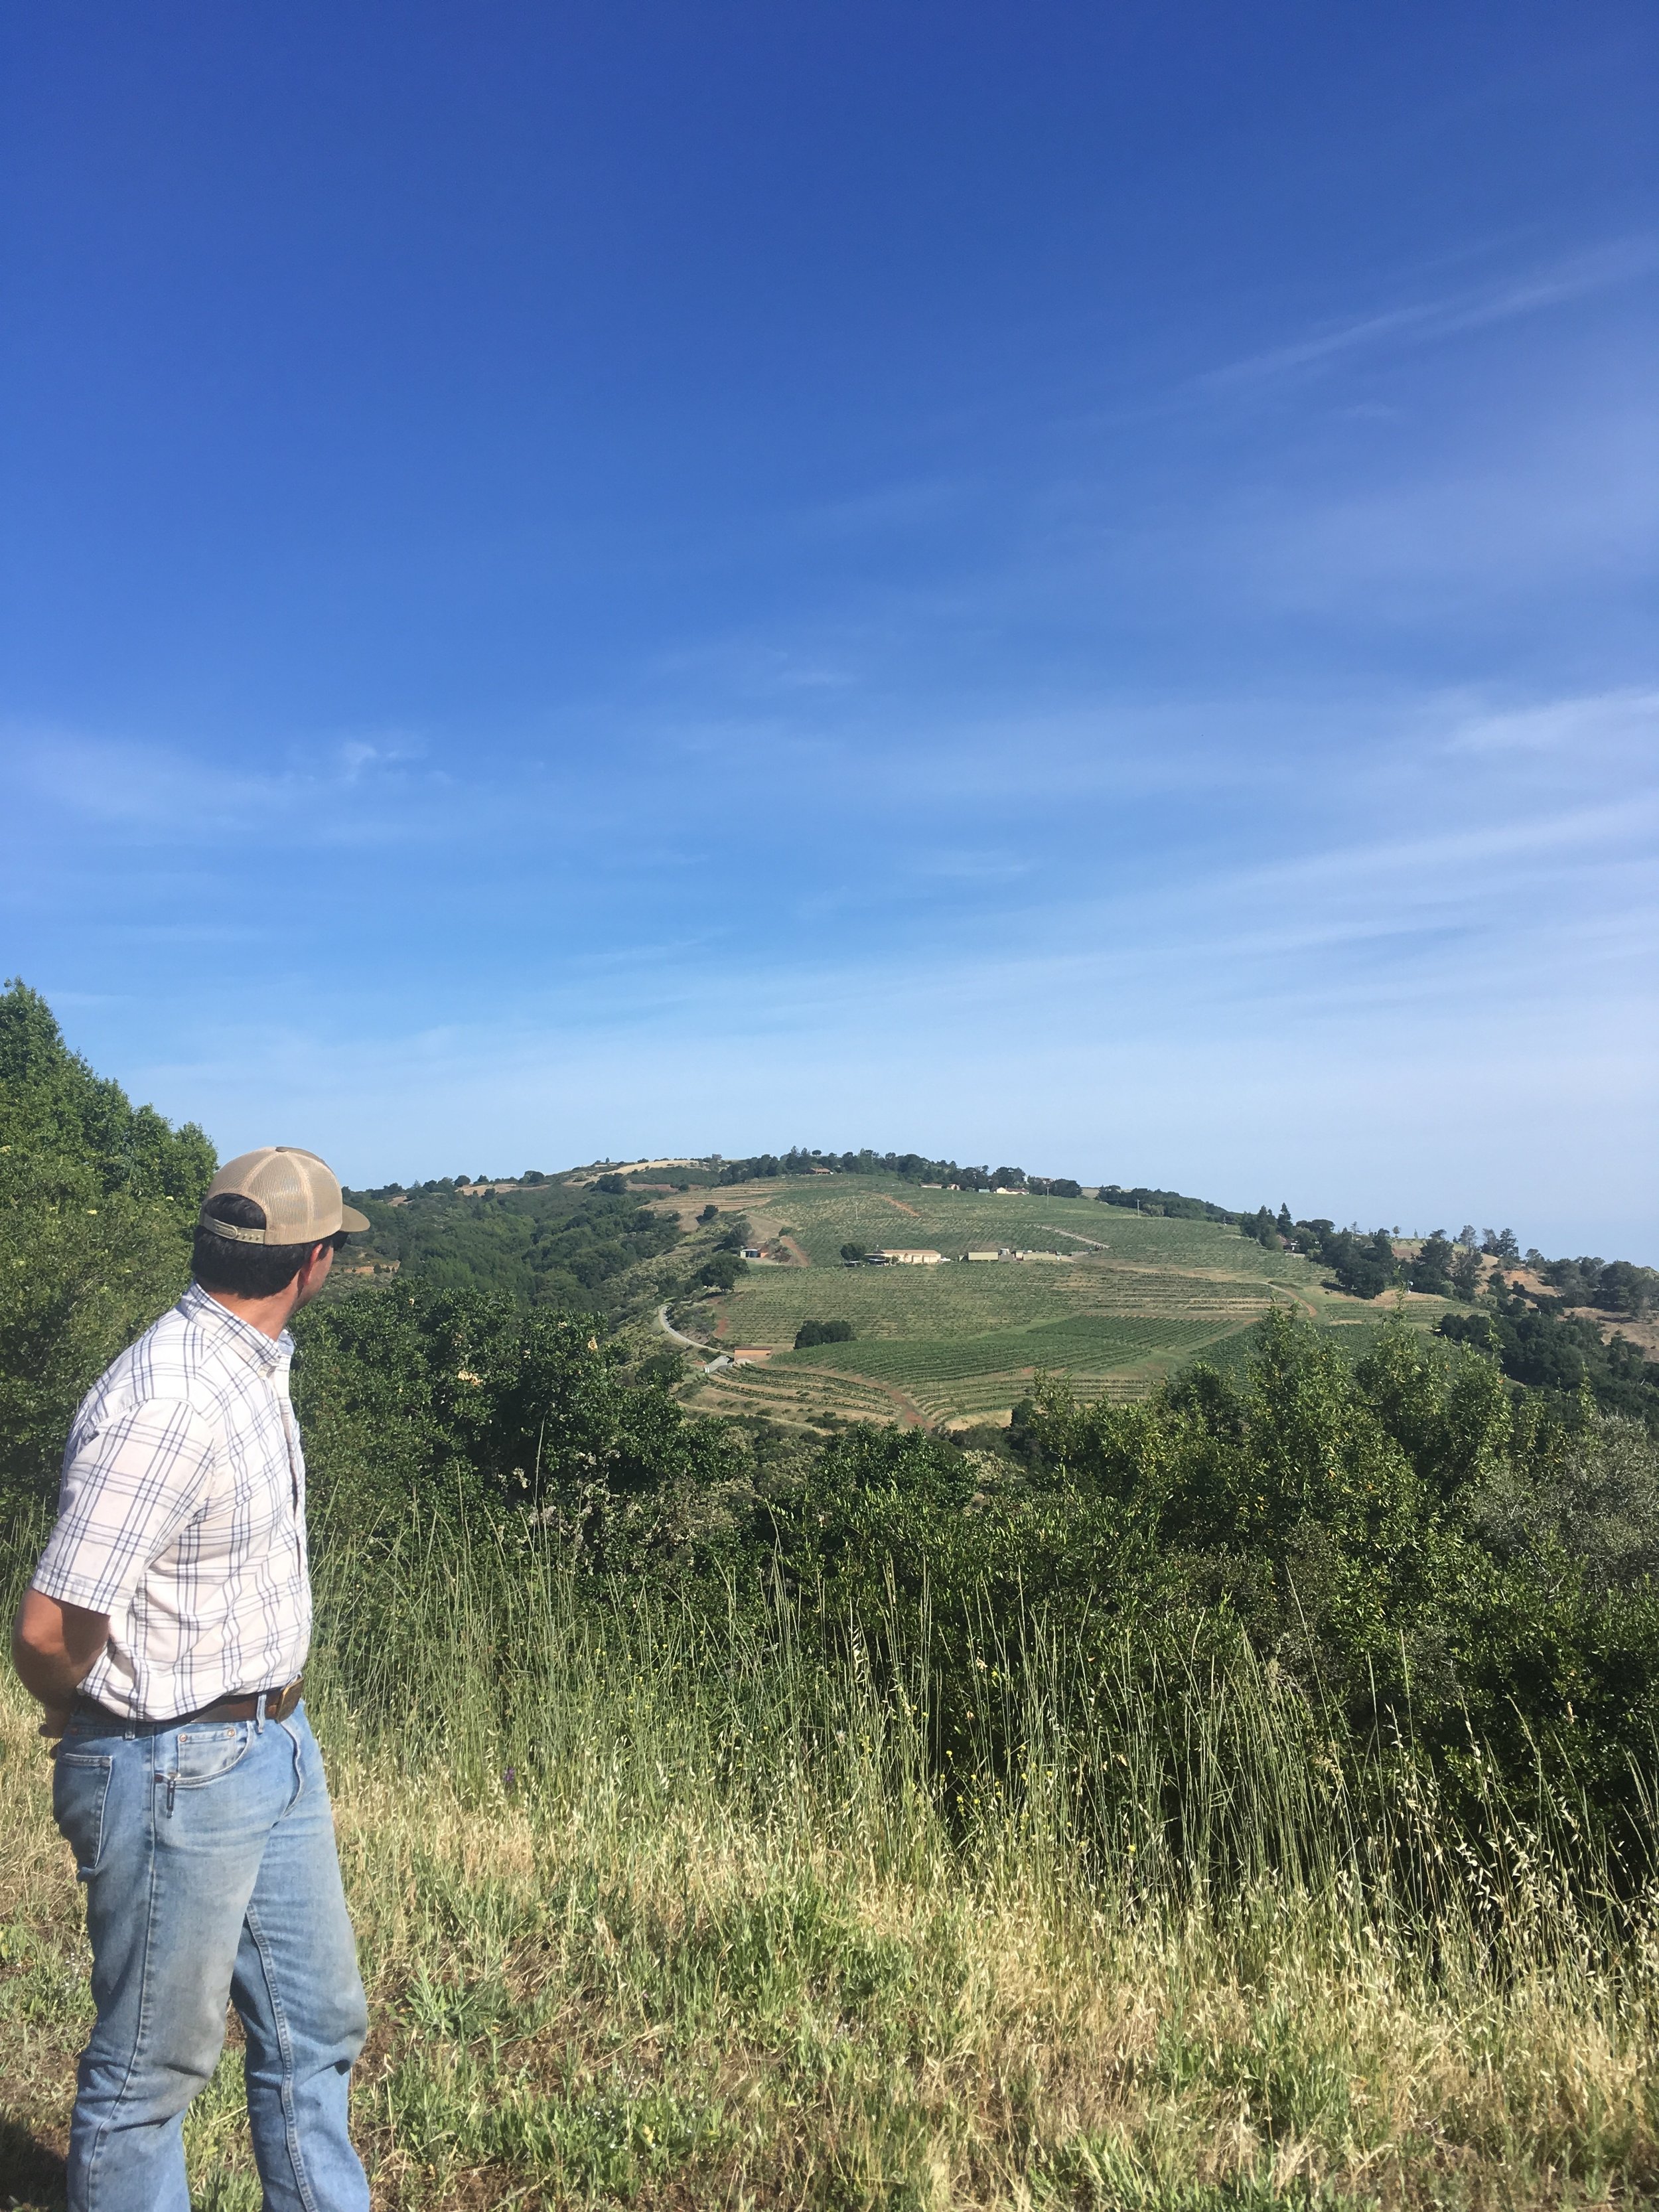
(53, 1646)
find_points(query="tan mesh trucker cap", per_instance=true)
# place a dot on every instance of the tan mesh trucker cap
(299, 1193)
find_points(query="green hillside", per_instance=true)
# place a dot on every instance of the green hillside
(1124, 1299)
(547, 1243)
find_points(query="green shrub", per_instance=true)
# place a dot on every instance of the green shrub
(823, 1332)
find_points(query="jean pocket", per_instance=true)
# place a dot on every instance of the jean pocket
(203, 1755)
(80, 1785)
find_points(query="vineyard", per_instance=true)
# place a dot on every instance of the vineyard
(1113, 1300)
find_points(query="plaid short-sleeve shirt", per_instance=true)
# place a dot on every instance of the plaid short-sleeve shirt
(181, 1514)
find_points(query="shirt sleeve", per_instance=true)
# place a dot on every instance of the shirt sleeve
(125, 1495)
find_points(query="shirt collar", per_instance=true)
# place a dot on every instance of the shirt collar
(267, 1352)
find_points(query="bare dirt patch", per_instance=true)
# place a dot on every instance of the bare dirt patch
(1643, 1334)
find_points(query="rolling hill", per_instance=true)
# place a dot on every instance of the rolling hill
(1114, 1300)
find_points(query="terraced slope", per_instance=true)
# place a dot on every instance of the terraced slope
(1134, 1297)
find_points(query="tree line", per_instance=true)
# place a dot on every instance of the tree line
(908, 1167)
(1531, 1334)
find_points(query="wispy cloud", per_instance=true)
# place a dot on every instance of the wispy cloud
(331, 793)
(1420, 322)
(1604, 721)
(1558, 507)
(888, 507)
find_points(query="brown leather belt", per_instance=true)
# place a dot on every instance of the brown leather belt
(279, 1703)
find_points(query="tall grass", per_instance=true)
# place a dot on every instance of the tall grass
(663, 1903)
(1162, 1785)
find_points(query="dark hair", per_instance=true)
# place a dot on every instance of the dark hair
(247, 1270)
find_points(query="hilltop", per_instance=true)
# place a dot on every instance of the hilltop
(1114, 1288)
(1114, 1300)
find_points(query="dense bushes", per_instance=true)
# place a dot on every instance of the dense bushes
(1139, 1199)
(465, 1404)
(823, 1332)
(1435, 1563)
(97, 1201)
(549, 1244)
(1365, 1531)
(1559, 1353)
(52, 1107)
(1613, 1286)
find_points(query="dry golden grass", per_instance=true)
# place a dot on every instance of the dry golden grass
(607, 1996)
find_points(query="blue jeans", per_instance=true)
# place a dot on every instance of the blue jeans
(208, 1854)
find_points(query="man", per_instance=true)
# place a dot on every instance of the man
(164, 1632)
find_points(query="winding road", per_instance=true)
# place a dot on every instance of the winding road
(691, 1343)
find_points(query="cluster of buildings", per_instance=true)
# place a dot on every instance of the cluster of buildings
(891, 1257)
(987, 1190)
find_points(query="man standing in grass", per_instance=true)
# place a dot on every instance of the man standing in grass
(164, 1632)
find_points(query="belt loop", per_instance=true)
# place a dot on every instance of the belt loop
(259, 1714)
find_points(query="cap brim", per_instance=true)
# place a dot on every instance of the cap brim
(353, 1222)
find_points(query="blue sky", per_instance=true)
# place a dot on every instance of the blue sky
(1064, 584)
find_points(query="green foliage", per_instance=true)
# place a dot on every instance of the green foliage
(1592, 1506)
(1364, 1529)
(1559, 1354)
(82, 1272)
(1364, 1267)
(1361, 1528)
(53, 1107)
(1612, 1286)
(823, 1332)
(1432, 1269)
(721, 1271)
(908, 1167)
(1172, 1204)
(550, 1245)
(97, 1202)
(1625, 1289)
(467, 1404)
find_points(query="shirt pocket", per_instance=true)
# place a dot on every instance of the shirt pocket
(80, 1787)
(203, 1755)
